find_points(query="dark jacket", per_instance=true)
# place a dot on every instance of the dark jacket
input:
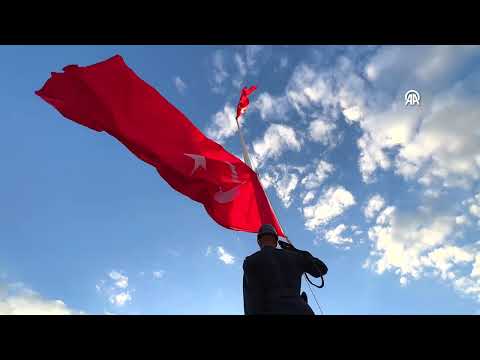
(272, 281)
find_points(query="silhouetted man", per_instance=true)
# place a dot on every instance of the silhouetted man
(272, 277)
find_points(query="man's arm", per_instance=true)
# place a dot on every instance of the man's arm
(311, 264)
(252, 292)
(314, 266)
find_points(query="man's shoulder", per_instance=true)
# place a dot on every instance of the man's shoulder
(258, 257)
(252, 257)
(261, 254)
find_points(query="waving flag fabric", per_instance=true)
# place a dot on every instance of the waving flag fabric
(243, 102)
(110, 97)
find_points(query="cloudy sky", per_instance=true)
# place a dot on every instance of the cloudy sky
(387, 195)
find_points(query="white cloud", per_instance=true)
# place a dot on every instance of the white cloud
(434, 141)
(474, 205)
(352, 114)
(419, 134)
(271, 107)
(311, 89)
(285, 187)
(444, 258)
(16, 299)
(208, 251)
(371, 72)
(121, 281)
(392, 127)
(284, 178)
(374, 205)
(474, 210)
(100, 285)
(337, 88)
(461, 220)
(432, 193)
(252, 53)
(224, 256)
(315, 179)
(158, 274)
(306, 86)
(334, 236)
(331, 204)
(428, 145)
(321, 131)
(371, 157)
(445, 149)
(121, 298)
(223, 124)
(241, 65)
(385, 216)
(237, 82)
(283, 62)
(115, 288)
(413, 244)
(246, 64)
(180, 84)
(276, 139)
(219, 72)
(468, 286)
(309, 196)
(267, 180)
(476, 267)
(403, 281)
(242, 68)
(400, 239)
(435, 65)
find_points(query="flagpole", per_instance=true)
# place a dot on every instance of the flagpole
(244, 146)
(248, 162)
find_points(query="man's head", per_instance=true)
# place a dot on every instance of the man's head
(267, 236)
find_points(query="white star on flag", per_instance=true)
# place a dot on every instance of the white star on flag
(200, 162)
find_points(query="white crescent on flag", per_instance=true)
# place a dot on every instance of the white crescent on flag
(224, 197)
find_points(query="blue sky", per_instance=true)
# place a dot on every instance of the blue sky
(387, 195)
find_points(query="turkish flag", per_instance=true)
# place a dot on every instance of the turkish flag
(110, 97)
(243, 102)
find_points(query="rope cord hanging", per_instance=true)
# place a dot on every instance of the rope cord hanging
(313, 294)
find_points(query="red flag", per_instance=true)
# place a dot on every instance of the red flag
(110, 97)
(243, 102)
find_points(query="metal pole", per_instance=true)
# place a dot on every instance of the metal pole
(244, 146)
(248, 162)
